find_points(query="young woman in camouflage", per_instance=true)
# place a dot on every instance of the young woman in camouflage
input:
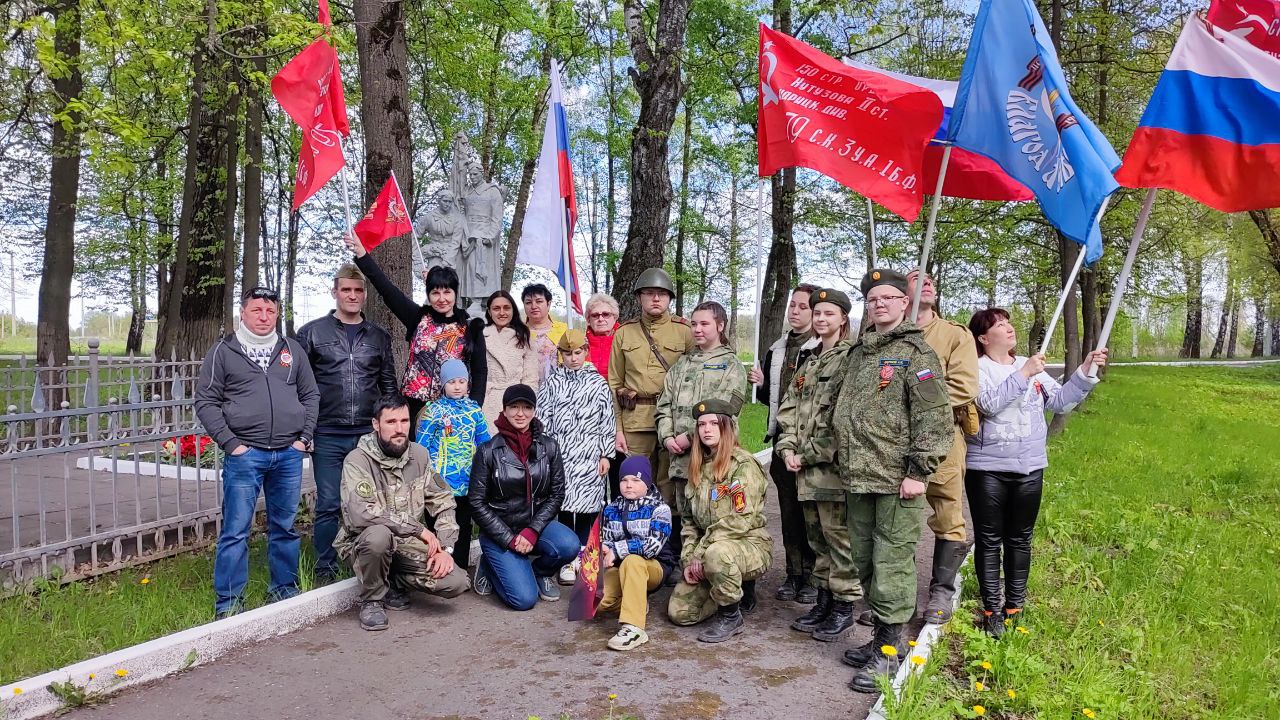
(807, 446)
(893, 426)
(726, 545)
(710, 371)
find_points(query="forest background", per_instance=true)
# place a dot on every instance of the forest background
(146, 172)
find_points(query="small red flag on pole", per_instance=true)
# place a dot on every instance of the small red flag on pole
(309, 89)
(388, 218)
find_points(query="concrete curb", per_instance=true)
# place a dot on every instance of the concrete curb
(155, 659)
(924, 647)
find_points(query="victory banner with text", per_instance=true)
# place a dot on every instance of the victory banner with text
(866, 130)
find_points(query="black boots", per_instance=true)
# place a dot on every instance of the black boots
(748, 602)
(948, 555)
(787, 591)
(810, 621)
(871, 659)
(807, 594)
(993, 623)
(726, 623)
(838, 620)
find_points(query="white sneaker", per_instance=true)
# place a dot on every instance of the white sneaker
(569, 573)
(628, 637)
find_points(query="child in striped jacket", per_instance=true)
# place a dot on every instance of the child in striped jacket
(634, 528)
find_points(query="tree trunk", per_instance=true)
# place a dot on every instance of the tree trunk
(1270, 235)
(780, 270)
(1259, 325)
(230, 249)
(1090, 309)
(253, 221)
(53, 336)
(291, 274)
(1193, 270)
(1275, 330)
(658, 81)
(1233, 333)
(611, 204)
(593, 228)
(682, 218)
(384, 109)
(1070, 313)
(1224, 317)
(1035, 335)
(735, 262)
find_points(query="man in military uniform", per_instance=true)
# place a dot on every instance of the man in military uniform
(644, 349)
(893, 427)
(389, 491)
(954, 346)
(726, 545)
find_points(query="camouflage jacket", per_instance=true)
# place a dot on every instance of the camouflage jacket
(396, 492)
(732, 510)
(804, 420)
(892, 416)
(696, 376)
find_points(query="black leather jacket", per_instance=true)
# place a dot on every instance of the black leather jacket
(502, 502)
(350, 376)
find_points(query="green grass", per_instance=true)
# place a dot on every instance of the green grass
(752, 426)
(83, 619)
(1155, 586)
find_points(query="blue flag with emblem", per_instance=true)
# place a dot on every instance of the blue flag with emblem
(1013, 106)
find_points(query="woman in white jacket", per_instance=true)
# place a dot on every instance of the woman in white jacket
(512, 357)
(1004, 467)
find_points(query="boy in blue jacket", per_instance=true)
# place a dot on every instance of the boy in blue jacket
(450, 429)
(633, 530)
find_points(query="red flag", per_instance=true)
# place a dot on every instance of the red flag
(864, 129)
(1257, 21)
(309, 88)
(388, 218)
(323, 14)
(588, 590)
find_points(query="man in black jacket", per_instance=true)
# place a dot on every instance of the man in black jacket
(353, 365)
(256, 397)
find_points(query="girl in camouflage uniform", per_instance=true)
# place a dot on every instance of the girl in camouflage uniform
(806, 444)
(726, 545)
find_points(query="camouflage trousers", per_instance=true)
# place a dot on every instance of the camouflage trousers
(945, 492)
(827, 528)
(883, 532)
(380, 559)
(725, 565)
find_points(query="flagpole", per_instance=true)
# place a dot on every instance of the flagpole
(1125, 270)
(871, 232)
(566, 259)
(1067, 287)
(346, 194)
(928, 233)
(755, 347)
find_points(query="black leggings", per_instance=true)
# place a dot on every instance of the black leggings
(579, 523)
(1004, 506)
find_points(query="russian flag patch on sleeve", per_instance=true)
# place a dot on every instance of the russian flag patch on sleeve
(924, 375)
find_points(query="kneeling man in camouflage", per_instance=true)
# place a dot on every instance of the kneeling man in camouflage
(390, 491)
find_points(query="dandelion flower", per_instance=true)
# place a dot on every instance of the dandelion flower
(1088, 713)
(122, 673)
(1012, 694)
(144, 581)
(979, 710)
(912, 643)
(888, 650)
(1101, 624)
(92, 676)
(979, 686)
(1022, 630)
(917, 660)
(17, 691)
(986, 665)
(613, 696)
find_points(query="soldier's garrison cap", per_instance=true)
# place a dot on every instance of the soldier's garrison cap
(883, 276)
(830, 295)
(714, 407)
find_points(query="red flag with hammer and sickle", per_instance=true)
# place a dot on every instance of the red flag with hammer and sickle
(387, 218)
(309, 88)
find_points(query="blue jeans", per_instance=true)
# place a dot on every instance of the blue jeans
(326, 465)
(278, 474)
(515, 576)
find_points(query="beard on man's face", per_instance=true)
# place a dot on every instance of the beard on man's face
(395, 447)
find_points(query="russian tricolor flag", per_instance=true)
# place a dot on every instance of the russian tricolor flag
(1212, 128)
(969, 175)
(546, 237)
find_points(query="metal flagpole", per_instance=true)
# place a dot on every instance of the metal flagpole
(871, 232)
(755, 347)
(928, 233)
(1067, 287)
(1125, 270)
(346, 194)
(564, 260)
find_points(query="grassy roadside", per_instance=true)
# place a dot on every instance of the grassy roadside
(1156, 568)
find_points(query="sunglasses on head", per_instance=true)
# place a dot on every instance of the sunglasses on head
(262, 293)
